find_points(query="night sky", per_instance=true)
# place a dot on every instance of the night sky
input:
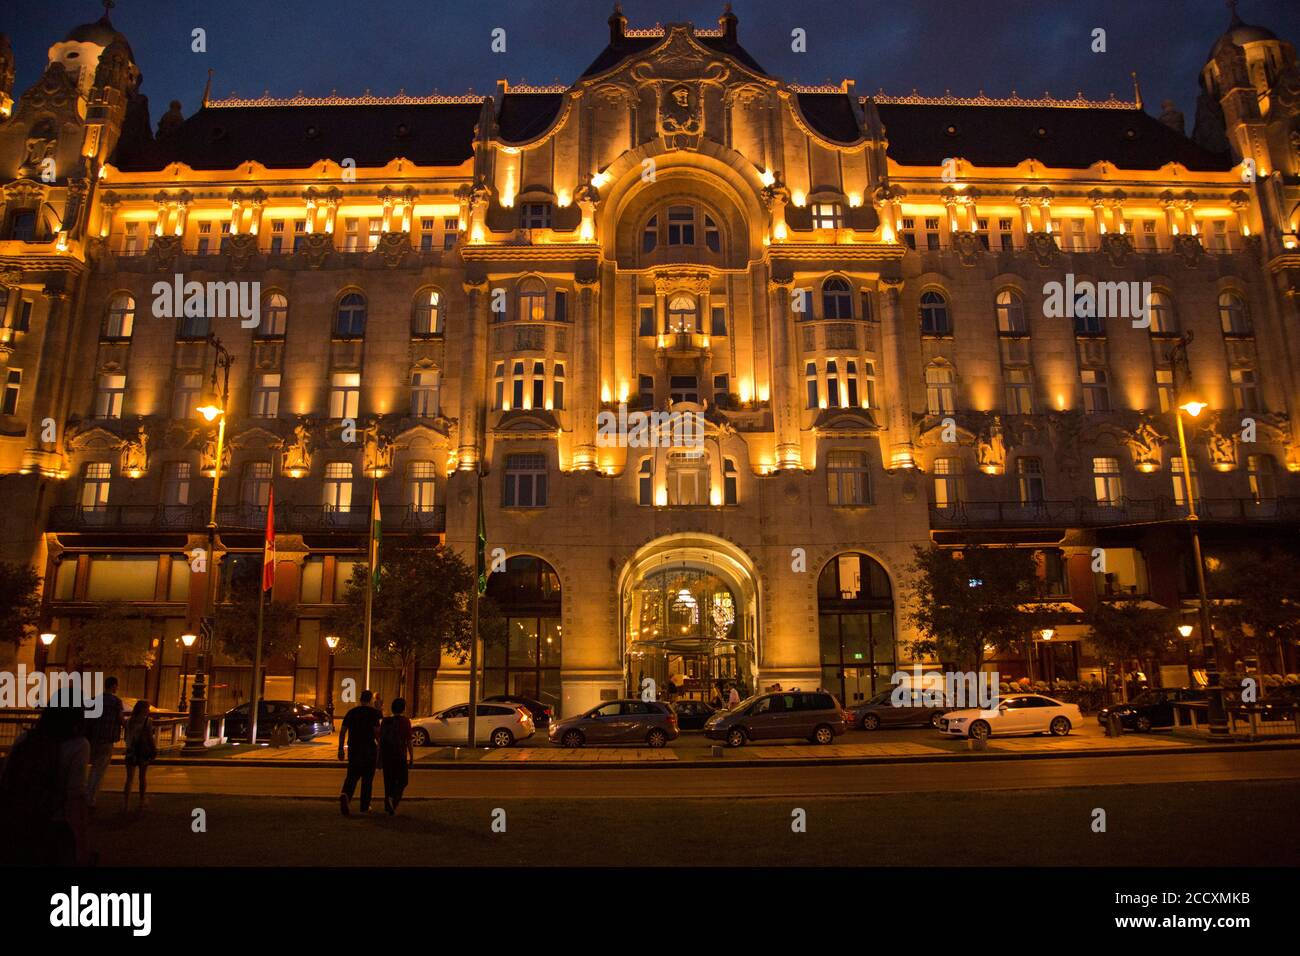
(350, 46)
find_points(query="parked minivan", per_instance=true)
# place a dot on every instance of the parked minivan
(814, 716)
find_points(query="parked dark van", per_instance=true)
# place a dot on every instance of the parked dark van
(810, 715)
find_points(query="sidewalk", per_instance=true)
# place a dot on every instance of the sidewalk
(692, 750)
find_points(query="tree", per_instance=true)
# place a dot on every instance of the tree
(1124, 631)
(237, 623)
(421, 607)
(976, 597)
(20, 603)
(1256, 610)
(116, 635)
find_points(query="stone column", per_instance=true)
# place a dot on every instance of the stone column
(39, 456)
(785, 395)
(469, 442)
(586, 375)
(893, 354)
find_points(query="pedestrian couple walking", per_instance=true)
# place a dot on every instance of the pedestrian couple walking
(372, 741)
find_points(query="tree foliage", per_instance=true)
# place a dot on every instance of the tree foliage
(1256, 606)
(237, 623)
(20, 603)
(421, 607)
(1124, 631)
(969, 600)
(116, 635)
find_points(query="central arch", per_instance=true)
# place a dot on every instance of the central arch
(689, 615)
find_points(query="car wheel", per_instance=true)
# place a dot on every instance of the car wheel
(501, 737)
(1060, 726)
(823, 734)
(1144, 724)
(656, 738)
(572, 739)
(934, 720)
(419, 737)
(870, 722)
(290, 735)
(735, 737)
(980, 730)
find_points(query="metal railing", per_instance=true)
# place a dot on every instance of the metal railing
(1082, 511)
(168, 728)
(240, 517)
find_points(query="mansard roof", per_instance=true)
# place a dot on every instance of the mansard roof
(294, 137)
(525, 116)
(641, 41)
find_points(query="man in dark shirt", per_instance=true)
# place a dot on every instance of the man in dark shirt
(361, 733)
(103, 732)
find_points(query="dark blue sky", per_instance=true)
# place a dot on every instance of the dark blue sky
(420, 45)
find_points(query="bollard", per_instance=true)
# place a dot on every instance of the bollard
(977, 744)
(1113, 726)
(715, 750)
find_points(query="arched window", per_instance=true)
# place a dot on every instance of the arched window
(1233, 315)
(351, 322)
(681, 225)
(650, 235)
(934, 314)
(1161, 310)
(275, 316)
(645, 482)
(855, 611)
(427, 319)
(837, 299)
(532, 299)
(683, 314)
(121, 317)
(1011, 313)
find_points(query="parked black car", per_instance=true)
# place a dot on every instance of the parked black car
(1153, 707)
(303, 722)
(541, 713)
(691, 714)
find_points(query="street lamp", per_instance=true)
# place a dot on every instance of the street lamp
(188, 640)
(212, 408)
(332, 642)
(47, 638)
(1047, 634)
(1186, 400)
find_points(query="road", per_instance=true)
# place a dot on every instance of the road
(829, 780)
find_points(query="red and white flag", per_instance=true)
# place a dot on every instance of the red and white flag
(268, 546)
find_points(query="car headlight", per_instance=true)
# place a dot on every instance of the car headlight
(958, 720)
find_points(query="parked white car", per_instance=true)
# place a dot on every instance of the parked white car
(499, 725)
(1015, 714)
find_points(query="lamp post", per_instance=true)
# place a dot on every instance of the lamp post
(213, 408)
(47, 638)
(1186, 400)
(1047, 634)
(188, 640)
(332, 642)
(1185, 632)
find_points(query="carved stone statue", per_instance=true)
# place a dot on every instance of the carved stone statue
(135, 453)
(991, 450)
(379, 451)
(172, 120)
(1223, 451)
(297, 453)
(1144, 446)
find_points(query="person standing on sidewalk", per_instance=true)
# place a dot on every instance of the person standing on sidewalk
(361, 727)
(396, 754)
(140, 750)
(103, 732)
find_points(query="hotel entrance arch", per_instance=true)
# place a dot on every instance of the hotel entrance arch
(523, 658)
(689, 613)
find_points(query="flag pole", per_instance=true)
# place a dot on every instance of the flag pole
(370, 573)
(267, 582)
(480, 585)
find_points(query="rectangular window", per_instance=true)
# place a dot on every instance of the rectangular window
(517, 385)
(1245, 389)
(1029, 472)
(557, 387)
(498, 384)
(205, 238)
(110, 396)
(345, 394)
(338, 486)
(730, 483)
(851, 384)
(450, 231)
(1218, 235)
(1006, 238)
(810, 380)
(421, 483)
(827, 215)
(646, 323)
(426, 234)
(536, 215)
(1263, 480)
(539, 385)
(1165, 388)
(908, 233)
(424, 393)
(684, 388)
(561, 305)
(1179, 485)
(1108, 486)
(646, 389)
(13, 384)
(524, 482)
(947, 482)
(352, 235)
(1096, 396)
(1019, 392)
(376, 233)
(266, 395)
(1149, 241)
(832, 383)
(256, 489)
(848, 480)
(176, 484)
(932, 233)
(681, 226)
(645, 482)
(718, 324)
(94, 485)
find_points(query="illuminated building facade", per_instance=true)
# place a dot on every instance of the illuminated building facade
(855, 292)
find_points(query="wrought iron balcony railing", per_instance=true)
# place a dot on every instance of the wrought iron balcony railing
(1082, 512)
(241, 518)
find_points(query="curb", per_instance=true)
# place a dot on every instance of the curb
(720, 763)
